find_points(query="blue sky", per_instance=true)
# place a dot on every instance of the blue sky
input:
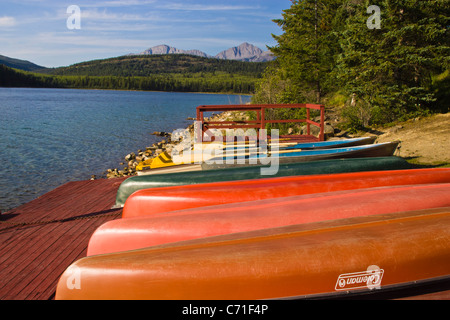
(37, 30)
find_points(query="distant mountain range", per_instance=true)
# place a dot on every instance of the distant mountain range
(165, 49)
(243, 52)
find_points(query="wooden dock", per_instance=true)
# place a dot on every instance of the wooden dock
(40, 239)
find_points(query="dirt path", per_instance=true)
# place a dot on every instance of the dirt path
(423, 141)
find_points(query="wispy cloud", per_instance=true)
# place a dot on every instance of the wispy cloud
(7, 21)
(202, 7)
(117, 3)
(95, 14)
(106, 20)
(71, 38)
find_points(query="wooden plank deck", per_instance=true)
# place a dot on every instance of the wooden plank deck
(40, 239)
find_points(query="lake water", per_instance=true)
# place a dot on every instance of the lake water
(53, 136)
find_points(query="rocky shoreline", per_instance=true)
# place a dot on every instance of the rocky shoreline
(132, 160)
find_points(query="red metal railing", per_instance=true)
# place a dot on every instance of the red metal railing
(261, 121)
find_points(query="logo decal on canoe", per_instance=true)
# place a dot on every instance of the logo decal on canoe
(371, 279)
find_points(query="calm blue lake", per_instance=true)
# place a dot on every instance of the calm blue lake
(52, 136)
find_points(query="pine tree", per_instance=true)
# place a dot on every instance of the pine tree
(307, 48)
(388, 72)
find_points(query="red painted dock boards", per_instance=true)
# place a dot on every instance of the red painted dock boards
(40, 239)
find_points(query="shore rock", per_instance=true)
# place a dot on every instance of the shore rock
(130, 156)
(161, 134)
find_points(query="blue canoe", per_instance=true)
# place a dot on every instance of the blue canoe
(293, 156)
(342, 143)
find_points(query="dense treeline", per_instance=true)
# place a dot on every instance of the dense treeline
(15, 78)
(202, 82)
(376, 66)
(183, 73)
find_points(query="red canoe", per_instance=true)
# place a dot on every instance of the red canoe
(151, 201)
(136, 233)
(340, 258)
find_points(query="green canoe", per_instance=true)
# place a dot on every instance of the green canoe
(136, 183)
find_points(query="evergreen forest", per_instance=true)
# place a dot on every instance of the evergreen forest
(377, 62)
(182, 73)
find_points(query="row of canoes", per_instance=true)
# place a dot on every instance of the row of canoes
(219, 155)
(149, 228)
(359, 255)
(136, 183)
(328, 228)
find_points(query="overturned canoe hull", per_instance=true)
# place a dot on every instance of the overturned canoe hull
(283, 157)
(136, 183)
(327, 259)
(169, 227)
(157, 200)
